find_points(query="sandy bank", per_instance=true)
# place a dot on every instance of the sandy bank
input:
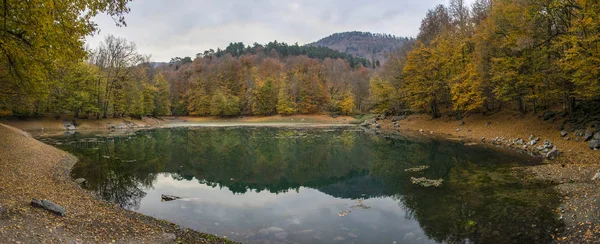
(31, 169)
(572, 171)
(54, 125)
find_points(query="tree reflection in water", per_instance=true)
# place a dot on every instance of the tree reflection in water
(482, 200)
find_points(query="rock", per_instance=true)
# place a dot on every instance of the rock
(368, 123)
(338, 238)
(281, 235)
(274, 229)
(166, 198)
(596, 176)
(48, 205)
(168, 237)
(457, 129)
(548, 144)
(462, 123)
(352, 235)
(533, 141)
(553, 153)
(271, 231)
(588, 135)
(594, 144)
(70, 127)
(531, 137)
(417, 169)
(563, 133)
(398, 118)
(377, 126)
(263, 232)
(424, 182)
(549, 115)
(396, 125)
(597, 136)
(80, 181)
(3, 212)
(421, 130)
(488, 123)
(409, 236)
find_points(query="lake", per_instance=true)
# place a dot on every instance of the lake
(317, 185)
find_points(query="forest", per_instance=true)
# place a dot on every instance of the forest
(526, 55)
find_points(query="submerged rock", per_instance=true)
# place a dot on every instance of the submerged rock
(271, 231)
(48, 205)
(166, 198)
(409, 236)
(417, 169)
(424, 182)
(281, 235)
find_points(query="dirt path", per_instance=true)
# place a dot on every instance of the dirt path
(572, 171)
(31, 169)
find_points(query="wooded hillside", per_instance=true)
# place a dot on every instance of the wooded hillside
(372, 46)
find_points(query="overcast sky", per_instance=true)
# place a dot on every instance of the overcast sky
(171, 28)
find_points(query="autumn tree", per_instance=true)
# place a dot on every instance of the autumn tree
(38, 37)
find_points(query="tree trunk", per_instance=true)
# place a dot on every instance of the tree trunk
(521, 105)
(105, 109)
(435, 110)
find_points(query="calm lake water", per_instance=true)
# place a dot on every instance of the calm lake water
(325, 185)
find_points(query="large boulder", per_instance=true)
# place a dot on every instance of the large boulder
(49, 206)
(588, 135)
(594, 144)
(549, 114)
(553, 153)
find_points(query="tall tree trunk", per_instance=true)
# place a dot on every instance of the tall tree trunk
(435, 110)
(521, 105)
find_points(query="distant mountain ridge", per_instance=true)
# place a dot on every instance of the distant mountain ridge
(372, 46)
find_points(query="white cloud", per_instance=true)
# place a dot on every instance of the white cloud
(181, 28)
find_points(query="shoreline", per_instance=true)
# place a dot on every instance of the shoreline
(571, 172)
(70, 124)
(43, 172)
